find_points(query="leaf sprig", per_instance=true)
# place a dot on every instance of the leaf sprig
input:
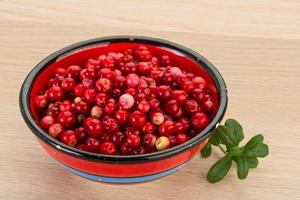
(228, 137)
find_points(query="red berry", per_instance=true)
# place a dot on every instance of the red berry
(79, 90)
(149, 140)
(60, 72)
(119, 81)
(208, 106)
(92, 145)
(166, 128)
(181, 138)
(143, 106)
(55, 130)
(81, 107)
(87, 83)
(93, 127)
(110, 108)
(126, 101)
(89, 95)
(172, 107)
(69, 137)
(55, 93)
(132, 80)
(108, 148)
(137, 119)
(66, 118)
(81, 134)
(154, 104)
(104, 85)
(126, 149)
(199, 82)
(157, 118)
(180, 96)
(87, 73)
(40, 101)
(133, 140)
(82, 147)
(132, 131)
(144, 67)
(164, 92)
(191, 107)
(199, 121)
(122, 116)
(175, 71)
(187, 86)
(110, 124)
(68, 84)
(46, 122)
(106, 73)
(96, 112)
(65, 105)
(180, 127)
(148, 128)
(118, 138)
(156, 74)
(143, 54)
(101, 99)
(73, 71)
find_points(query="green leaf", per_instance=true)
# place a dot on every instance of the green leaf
(214, 138)
(259, 150)
(206, 150)
(236, 151)
(227, 137)
(242, 167)
(235, 128)
(219, 170)
(254, 141)
(252, 162)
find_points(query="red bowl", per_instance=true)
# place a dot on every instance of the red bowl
(121, 168)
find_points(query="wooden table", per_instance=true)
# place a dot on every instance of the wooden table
(255, 44)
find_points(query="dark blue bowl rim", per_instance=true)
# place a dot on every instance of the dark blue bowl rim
(41, 134)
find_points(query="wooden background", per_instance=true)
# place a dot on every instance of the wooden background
(255, 44)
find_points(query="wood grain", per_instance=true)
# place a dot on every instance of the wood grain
(255, 44)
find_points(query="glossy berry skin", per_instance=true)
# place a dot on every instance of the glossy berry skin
(96, 112)
(157, 118)
(166, 128)
(199, 82)
(55, 130)
(69, 137)
(162, 143)
(104, 85)
(66, 118)
(180, 96)
(133, 140)
(143, 54)
(148, 128)
(154, 104)
(110, 124)
(101, 99)
(89, 96)
(149, 140)
(40, 101)
(46, 122)
(106, 73)
(191, 107)
(79, 90)
(60, 72)
(172, 107)
(110, 108)
(144, 67)
(132, 80)
(132, 131)
(92, 145)
(143, 106)
(187, 86)
(65, 105)
(82, 147)
(108, 148)
(208, 106)
(68, 84)
(126, 101)
(81, 134)
(181, 138)
(73, 71)
(199, 121)
(180, 127)
(164, 92)
(126, 149)
(137, 119)
(55, 93)
(118, 138)
(93, 127)
(122, 116)
(81, 107)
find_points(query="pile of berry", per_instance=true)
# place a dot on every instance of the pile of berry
(126, 103)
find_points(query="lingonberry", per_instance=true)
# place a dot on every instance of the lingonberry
(172, 139)
(116, 93)
(180, 127)
(55, 130)
(119, 81)
(157, 118)
(175, 71)
(126, 149)
(89, 96)
(55, 93)
(166, 128)
(137, 119)
(122, 116)
(108, 148)
(165, 60)
(149, 140)
(199, 82)
(148, 128)
(110, 108)
(133, 140)
(106, 73)
(92, 64)
(132, 131)
(78, 90)
(101, 99)
(162, 143)
(65, 105)
(69, 137)
(156, 74)
(118, 138)
(87, 73)
(96, 112)
(144, 67)
(66, 118)
(87, 83)
(82, 147)
(110, 124)
(93, 127)
(187, 86)
(92, 145)
(68, 84)
(81, 134)
(105, 137)
(60, 72)
(40, 101)
(181, 138)
(180, 96)
(164, 92)
(199, 121)
(172, 107)
(191, 107)
(143, 106)
(46, 122)
(208, 105)
(132, 80)
(73, 71)
(126, 101)
(154, 104)
(81, 107)
(104, 85)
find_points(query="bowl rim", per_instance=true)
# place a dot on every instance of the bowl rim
(196, 57)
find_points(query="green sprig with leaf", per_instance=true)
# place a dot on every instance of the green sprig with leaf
(227, 138)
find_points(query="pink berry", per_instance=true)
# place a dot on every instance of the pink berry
(96, 112)
(126, 101)
(132, 80)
